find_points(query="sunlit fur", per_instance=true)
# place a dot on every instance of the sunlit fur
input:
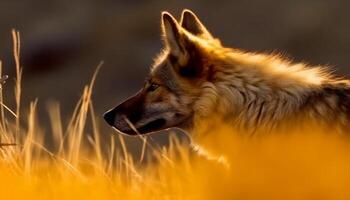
(254, 90)
(204, 86)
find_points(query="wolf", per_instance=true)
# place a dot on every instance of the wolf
(195, 77)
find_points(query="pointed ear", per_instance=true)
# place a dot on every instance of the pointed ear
(192, 24)
(172, 34)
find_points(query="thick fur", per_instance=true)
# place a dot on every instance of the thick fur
(262, 90)
(195, 78)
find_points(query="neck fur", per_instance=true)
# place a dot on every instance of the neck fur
(257, 89)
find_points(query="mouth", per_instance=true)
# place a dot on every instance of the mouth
(154, 126)
(150, 127)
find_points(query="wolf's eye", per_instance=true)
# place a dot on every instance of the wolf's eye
(152, 87)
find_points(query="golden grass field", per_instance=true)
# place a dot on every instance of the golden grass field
(309, 164)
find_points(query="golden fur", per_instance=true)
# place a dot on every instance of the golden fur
(195, 78)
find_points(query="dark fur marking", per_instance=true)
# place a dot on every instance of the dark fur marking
(194, 66)
(342, 96)
(172, 59)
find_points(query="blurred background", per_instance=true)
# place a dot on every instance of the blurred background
(63, 41)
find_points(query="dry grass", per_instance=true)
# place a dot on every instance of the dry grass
(312, 165)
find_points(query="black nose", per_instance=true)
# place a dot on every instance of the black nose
(109, 116)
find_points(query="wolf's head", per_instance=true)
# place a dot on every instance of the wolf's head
(174, 83)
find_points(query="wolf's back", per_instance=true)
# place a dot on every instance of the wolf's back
(331, 104)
